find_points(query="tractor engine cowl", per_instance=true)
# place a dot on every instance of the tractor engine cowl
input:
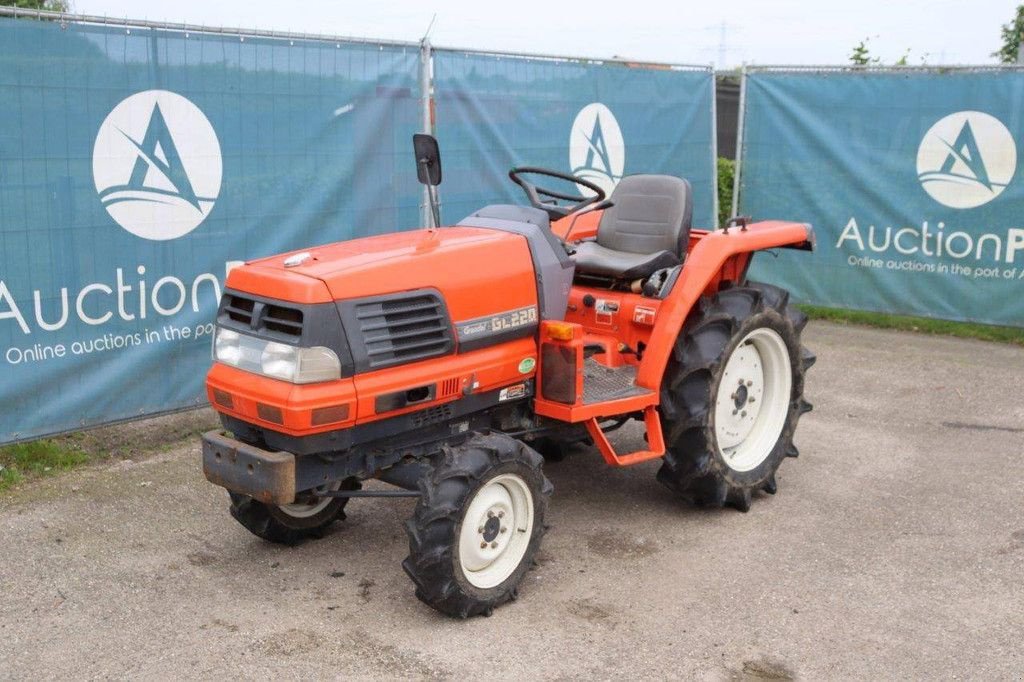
(313, 345)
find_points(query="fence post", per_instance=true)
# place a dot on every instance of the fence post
(741, 115)
(714, 144)
(426, 215)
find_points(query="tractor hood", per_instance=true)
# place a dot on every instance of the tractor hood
(466, 264)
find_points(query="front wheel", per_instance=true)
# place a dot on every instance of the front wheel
(732, 396)
(478, 525)
(288, 524)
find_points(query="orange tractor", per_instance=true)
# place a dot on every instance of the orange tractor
(446, 361)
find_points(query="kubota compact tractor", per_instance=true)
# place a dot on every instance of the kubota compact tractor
(442, 360)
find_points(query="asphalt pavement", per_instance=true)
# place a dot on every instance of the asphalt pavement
(894, 549)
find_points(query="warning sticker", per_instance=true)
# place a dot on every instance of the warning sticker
(643, 315)
(512, 392)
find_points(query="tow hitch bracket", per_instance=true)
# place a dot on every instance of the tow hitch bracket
(265, 476)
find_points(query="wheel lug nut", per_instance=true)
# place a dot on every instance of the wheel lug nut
(743, 413)
(735, 411)
(732, 396)
(741, 382)
(494, 545)
(503, 529)
(751, 400)
(480, 530)
(750, 383)
(483, 545)
(490, 515)
(501, 515)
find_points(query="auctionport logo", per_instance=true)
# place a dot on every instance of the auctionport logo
(966, 159)
(596, 150)
(157, 165)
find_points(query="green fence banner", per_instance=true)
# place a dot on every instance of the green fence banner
(600, 120)
(910, 177)
(137, 164)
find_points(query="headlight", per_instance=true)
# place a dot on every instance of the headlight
(317, 364)
(276, 360)
(226, 347)
(279, 360)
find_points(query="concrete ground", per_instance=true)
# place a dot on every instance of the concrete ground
(893, 550)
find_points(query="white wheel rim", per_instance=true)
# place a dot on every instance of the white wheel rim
(312, 507)
(753, 399)
(496, 531)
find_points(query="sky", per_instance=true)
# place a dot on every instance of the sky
(726, 33)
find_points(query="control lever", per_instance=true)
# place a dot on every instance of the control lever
(599, 206)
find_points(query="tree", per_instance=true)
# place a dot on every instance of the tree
(1011, 33)
(726, 176)
(861, 55)
(50, 5)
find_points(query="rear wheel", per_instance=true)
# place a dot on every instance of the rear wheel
(732, 396)
(288, 524)
(477, 526)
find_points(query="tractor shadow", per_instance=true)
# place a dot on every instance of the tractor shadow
(583, 480)
(616, 516)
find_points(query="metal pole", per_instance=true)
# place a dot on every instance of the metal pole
(426, 213)
(714, 145)
(624, 61)
(739, 142)
(880, 68)
(7, 11)
(371, 493)
(43, 15)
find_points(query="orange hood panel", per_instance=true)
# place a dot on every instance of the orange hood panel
(470, 266)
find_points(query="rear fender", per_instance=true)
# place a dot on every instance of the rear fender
(703, 268)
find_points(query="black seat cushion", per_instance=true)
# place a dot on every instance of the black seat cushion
(593, 259)
(646, 229)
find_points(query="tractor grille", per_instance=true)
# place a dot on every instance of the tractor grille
(404, 329)
(432, 415)
(258, 316)
(449, 387)
(240, 309)
(284, 320)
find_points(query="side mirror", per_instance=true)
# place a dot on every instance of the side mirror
(428, 159)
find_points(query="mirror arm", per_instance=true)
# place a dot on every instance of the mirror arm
(435, 209)
(435, 206)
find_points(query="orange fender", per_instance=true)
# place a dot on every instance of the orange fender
(702, 271)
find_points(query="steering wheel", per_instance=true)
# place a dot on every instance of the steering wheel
(553, 209)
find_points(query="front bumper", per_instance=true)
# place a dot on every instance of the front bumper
(279, 405)
(241, 468)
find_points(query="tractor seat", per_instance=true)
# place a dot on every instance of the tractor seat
(647, 229)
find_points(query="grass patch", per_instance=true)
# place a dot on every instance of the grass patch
(925, 325)
(36, 458)
(24, 462)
